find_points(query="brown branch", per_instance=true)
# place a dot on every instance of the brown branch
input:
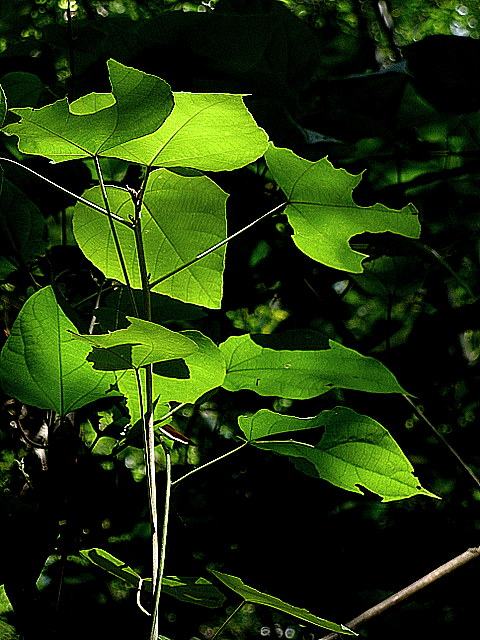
(413, 588)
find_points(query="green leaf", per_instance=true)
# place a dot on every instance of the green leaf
(104, 446)
(206, 371)
(207, 131)
(93, 124)
(257, 597)
(323, 214)
(181, 218)
(24, 231)
(41, 364)
(302, 374)
(113, 565)
(193, 590)
(148, 342)
(355, 451)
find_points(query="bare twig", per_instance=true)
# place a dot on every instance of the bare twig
(438, 435)
(413, 588)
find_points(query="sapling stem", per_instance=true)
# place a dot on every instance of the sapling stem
(116, 241)
(163, 546)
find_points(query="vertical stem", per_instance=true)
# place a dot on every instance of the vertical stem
(158, 550)
(163, 547)
(113, 230)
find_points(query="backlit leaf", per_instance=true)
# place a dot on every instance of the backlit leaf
(207, 131)
(205, 370)
(41, 364)
(148, 342)
(302, 374)
(323, 214)
(181, 217)
(93, 124)
(249, 594)
(355, 451)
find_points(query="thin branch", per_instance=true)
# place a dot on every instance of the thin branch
(207, 464)
(227, 621)
(445, 264)
(170, 413)
(438, 435)
(84, 201)
(412, 589)
(215, 247)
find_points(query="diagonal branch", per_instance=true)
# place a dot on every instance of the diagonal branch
(413, 588)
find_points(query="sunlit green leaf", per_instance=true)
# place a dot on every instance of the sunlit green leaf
(355, 451)
(41, 364)
(207, 131)
(148, 342)
(323, 214)
(205, 370)
(302, 374)
(137, 106)
(181, 218)
(257, 597)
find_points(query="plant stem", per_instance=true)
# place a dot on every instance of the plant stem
(163, 547)
(438, 435)
(413, 588)
(214, 247)
(149, 444)
(207, 464)
(226, 622)
(84, 201)
(113, 231)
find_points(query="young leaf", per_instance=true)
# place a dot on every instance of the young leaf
(207, 131)
(323, 214)
(355, 451)
(302, 374)
(41, 364)
(93, 124)
(206, 371)
(181, 217)
(148, 342)
(249, 594)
